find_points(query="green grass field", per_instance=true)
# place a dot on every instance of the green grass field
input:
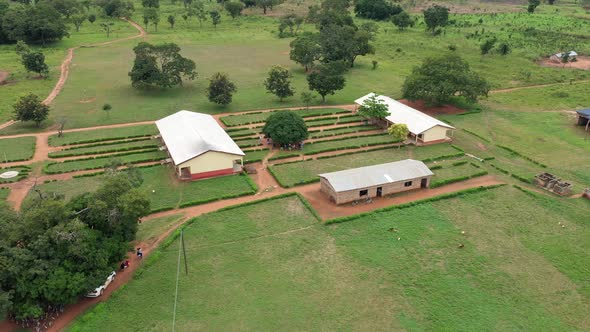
(257, 117)
(518, 270)
(291, 174)
(4, 192)
(150, 230)
(162, 189)
(17, 149)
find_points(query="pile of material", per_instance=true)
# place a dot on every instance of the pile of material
(554, 184)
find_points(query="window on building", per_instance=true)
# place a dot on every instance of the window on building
(408, 184)
(363, 192)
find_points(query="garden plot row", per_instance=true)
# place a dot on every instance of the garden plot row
(17, 149)
(259, 117)
(142, 143)
(164, 193)
(101, 135)
(23, 173)
(103, 161)
(340, 130)
(301, 172)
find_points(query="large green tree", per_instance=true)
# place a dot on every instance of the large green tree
(160, 65)
(373, 109)
(234, 8)
(30, 108)
(327, 79)
(436, 16)
(440, 78)
(376, 9)
(278, 82)
(398, 131)
(33, 61)
(221, 89)
(285, 127)
(306, 49)
(402, 20)
(41, 23)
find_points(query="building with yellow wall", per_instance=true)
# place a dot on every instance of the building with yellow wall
(198, 146)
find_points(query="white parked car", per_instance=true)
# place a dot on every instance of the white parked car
(99, 290)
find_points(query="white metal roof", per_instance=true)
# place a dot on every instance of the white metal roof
(571, 53)
(189, 134)
(416, 121)
(364, 177)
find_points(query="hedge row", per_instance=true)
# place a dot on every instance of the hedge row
(355, 152)
(103, 139)
(23, 173)
(46, 169)
(459, 163)
(312, 114)
(521, 155)
(328, 134)
(284, 156)
(102, 172)
(435, 167)
(521, 178)
(59, 154)
(476, 135)
(447, 156)
(345, 138)
(489, 158)
(123, 141)
(352, 146)
(528, 192)
(440, 183)
(474, 165)
(500, 169)
(415, 203)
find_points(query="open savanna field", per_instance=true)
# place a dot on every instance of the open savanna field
(272, 265)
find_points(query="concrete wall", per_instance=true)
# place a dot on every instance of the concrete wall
(435, 133)
(211, 163)
(353, 195)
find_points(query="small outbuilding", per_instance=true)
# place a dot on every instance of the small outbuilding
(198, 146)
(375, 181)
(423, 128)
(584, 118)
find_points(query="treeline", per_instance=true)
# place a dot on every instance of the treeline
(54, 251)
(46, 21)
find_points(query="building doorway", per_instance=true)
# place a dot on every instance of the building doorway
(424, 183)
(379, 191)
(185, 173)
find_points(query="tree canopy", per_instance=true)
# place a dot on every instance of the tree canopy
(373, 109)
(40, 23)
(278, 82)
(33, 61)
(234, 8)
(285, 127)
(402, 20)
(30, 108)
(440, 78)
(221, 89)
(399, 131)
(376, 9)
(54, 251)
(327, 79)
(160, 65)
(436, 16)
(306, 49)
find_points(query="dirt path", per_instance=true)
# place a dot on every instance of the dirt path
(65, 65)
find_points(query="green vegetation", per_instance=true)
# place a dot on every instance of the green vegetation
(17, 149)
(253, 156)
(409, 259)
(102, 161)
(340, 131)
(347, 143)
(163, 189)
(90, 136)
(150, 230)
(23, 173)
(291, 174)
(4, 192)
(259, 117)
(119, 146)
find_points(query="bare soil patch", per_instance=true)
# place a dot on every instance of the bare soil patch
(3, 76)
(582, 63)
(433, 110)
(87, 101)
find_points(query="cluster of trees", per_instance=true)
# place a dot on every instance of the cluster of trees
(160, 65)
(285, 128)
(30, 108)
(40, 23)
(376, 9)
(55, 251)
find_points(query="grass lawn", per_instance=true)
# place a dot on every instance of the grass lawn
(150, 230)
(54, 53)
(4, 192)
(305, 171)
(270, 269)
(97, 148)
(162, 188)
(102, 162)
(347, 143)
(255, 156)
(340, 131)
(90, 136)
(17, 149)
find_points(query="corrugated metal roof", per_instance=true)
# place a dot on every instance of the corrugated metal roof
(584, 113)
(416, 121)
(190, 134)
(364, 177)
